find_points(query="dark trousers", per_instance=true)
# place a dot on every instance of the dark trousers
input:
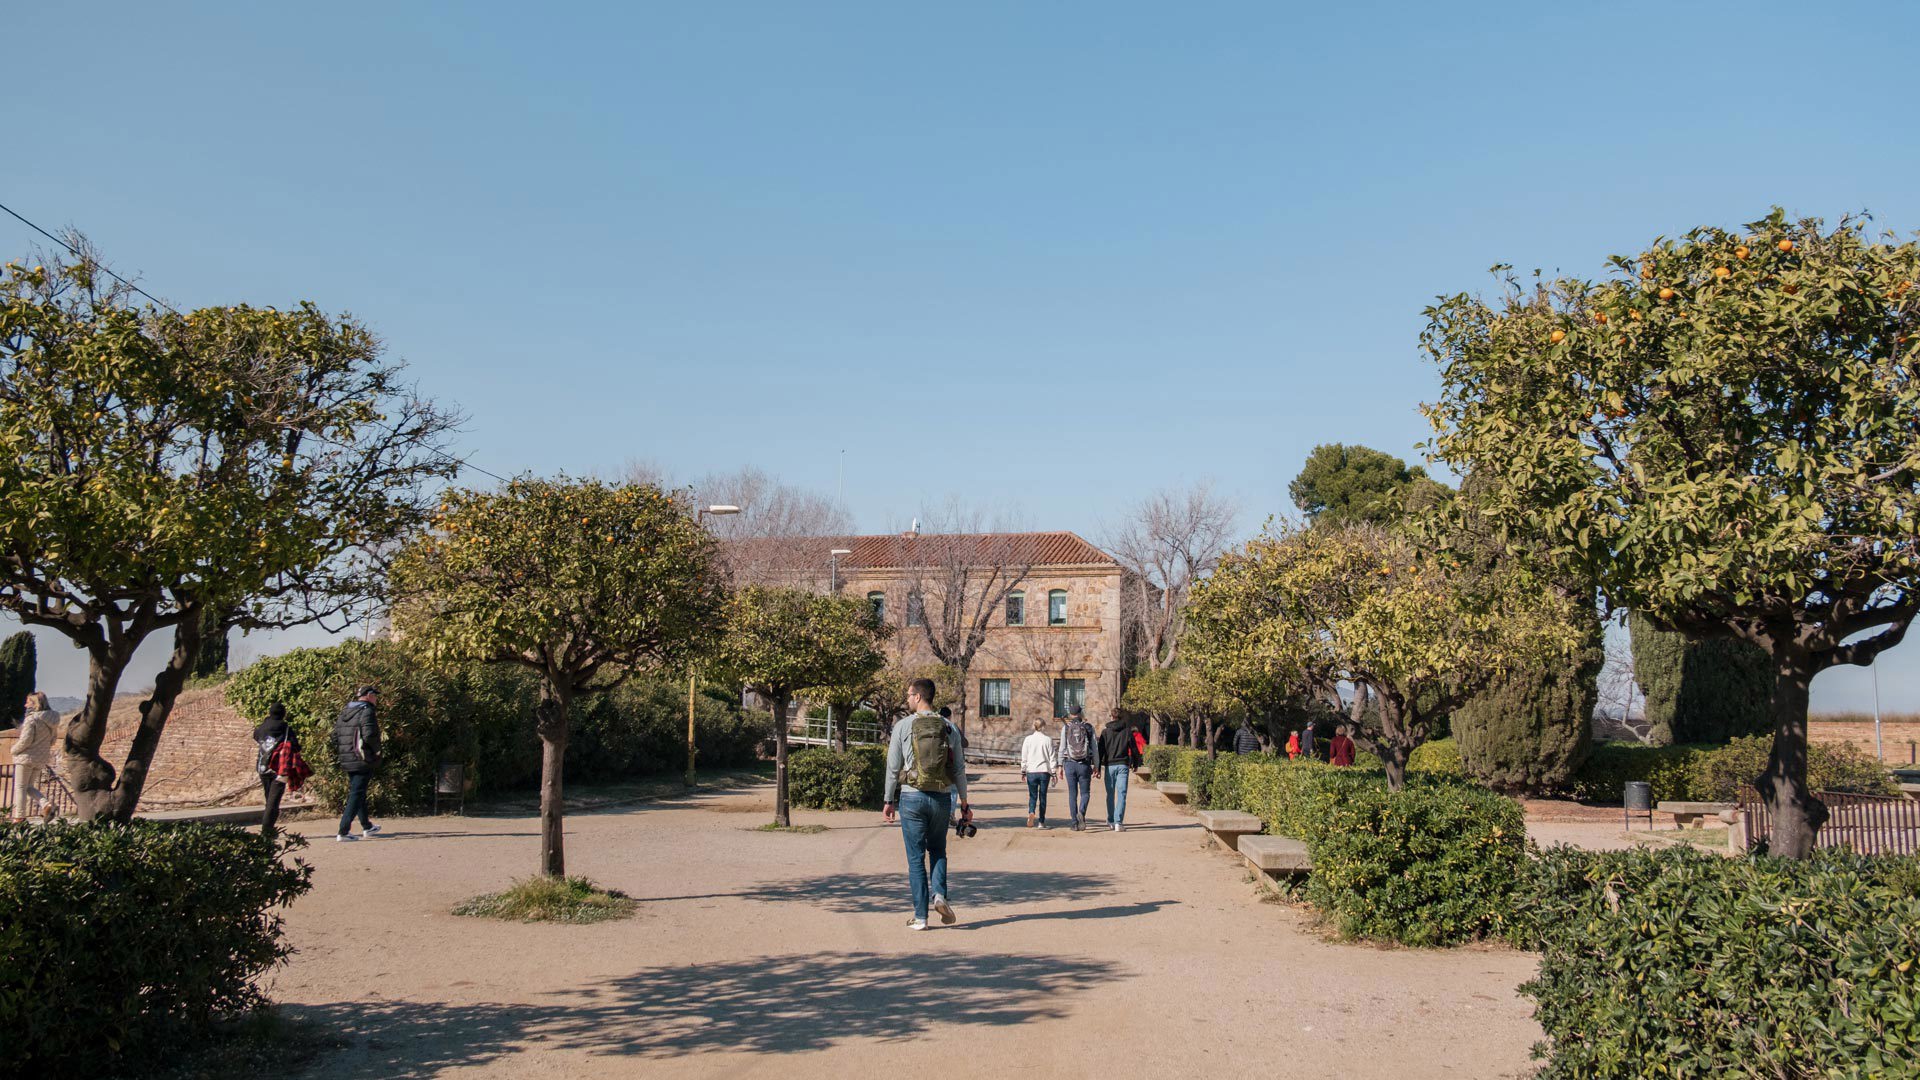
(271, 788)
(1037, 794)
(1079, 787)
(356, 803)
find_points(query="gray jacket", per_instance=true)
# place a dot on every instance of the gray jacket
(34, 744)
(356, 738)
(900, 758)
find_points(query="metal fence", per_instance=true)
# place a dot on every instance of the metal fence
(1863, 824)
(52, 790)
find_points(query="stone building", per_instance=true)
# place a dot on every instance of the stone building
(1048, 607)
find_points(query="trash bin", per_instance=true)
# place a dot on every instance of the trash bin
(1638, 799)
(450, 782)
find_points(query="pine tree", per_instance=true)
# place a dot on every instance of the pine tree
(1529, 732)
(19, 662)
(1700, 691)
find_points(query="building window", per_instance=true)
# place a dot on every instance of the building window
(1067, 693)
(996, 697)
(1057, 608)
(916, 610)
(878, 600)
(1016, 609)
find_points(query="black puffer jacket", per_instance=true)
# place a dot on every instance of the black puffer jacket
(1245, 741)
(356, 738)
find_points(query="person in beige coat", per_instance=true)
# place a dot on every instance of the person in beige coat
(32, 751)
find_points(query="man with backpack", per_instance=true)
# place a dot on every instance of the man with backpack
(356, 745)
(926, 774)
(1117, 755)
(1077, 759)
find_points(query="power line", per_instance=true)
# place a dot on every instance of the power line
(107, 270)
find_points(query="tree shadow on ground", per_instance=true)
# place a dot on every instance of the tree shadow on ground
(867, 894)
(765, 1005)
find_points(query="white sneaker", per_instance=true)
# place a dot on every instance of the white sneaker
(1116, 826)
(945, 909)
(371, 830)
(917, 924)
(345, 836)
(1042, 826)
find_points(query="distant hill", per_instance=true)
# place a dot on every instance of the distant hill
(65, 705)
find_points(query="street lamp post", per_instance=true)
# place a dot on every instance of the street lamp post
(833, 586)
(717, 511)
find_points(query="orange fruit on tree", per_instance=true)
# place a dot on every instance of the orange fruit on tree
(1666, 293)
(1557, 336)
(1785, 245)
(1600, 317)
(1634, 314)
(1646, 273)
(1722, 273)
(1740, 252)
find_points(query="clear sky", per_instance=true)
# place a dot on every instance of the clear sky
(1043, 257)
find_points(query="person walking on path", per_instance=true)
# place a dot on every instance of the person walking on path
(1244, 740)
(1306, 740)
(356, 744)
(1118, 758)
(926, 772)
(32, 752)
(1293, 746)
(1340, 750)
(1039, 760)
(278, 763)
(1079, 748)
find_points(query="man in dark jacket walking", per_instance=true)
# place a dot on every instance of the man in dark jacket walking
(356, 744)
(1245, 741)
(1118, 757)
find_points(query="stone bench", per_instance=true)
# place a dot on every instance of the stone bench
(1175, 793)
(1228, 826)
(1272, 856)
(1692, 813)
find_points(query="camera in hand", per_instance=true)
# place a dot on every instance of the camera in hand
(963, 825)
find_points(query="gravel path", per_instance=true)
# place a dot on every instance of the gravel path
(767, 954)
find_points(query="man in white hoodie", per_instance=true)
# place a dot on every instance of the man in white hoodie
(1040, 760)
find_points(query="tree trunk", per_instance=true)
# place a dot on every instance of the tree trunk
(781, 816)
(960, 696)
(1797, 815)
(550, 719)
(1156, 730)
(838, 722)
(125, 796)
(86, 772)
(1213, 738)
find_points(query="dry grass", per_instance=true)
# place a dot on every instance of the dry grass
(545, 899)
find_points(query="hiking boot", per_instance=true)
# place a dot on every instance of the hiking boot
(945, 910)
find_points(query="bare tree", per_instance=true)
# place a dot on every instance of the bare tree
(958, 577)
(769, 508)
(1171, 540)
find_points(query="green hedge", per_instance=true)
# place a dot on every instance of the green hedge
(1718, 967)
(1441, 757)
(826, 779)
(481, 714)
(1433, 864)
(1716, 773)
(121, 942)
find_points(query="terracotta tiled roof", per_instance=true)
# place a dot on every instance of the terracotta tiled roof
(893, 551)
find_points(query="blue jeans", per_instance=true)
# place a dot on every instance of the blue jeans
(924, 818)
(1037, 794)
(1079, 787)
(1116, 794)
(356, 804)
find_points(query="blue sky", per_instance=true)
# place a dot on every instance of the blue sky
(1041, 257)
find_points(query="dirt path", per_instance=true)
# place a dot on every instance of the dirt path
(762, 954)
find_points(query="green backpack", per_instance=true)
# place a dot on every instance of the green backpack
(932, 764)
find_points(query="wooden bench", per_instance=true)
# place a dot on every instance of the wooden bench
(1175, 793)
(1273, 856)
(1687, 814)
(1228, 826)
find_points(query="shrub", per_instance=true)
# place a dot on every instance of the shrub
(1441, 757)
(1700, 691)
(1717, 775)
(1724, 967)
(822, 778)
(1530, 732)
(1603, 779)
(482, 715)
(119, 941)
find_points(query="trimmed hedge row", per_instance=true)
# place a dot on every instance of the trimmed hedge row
(1718, 967)
(1716, 773)
(120, 942)
(1433, 864)
(822, 778)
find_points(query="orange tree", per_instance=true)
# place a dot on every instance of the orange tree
(1725, 434)
(782, 641)
(580, 581)
(186, 473)
(1423, 632)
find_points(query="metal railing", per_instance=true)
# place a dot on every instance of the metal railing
(52, 790)
(1862, 824)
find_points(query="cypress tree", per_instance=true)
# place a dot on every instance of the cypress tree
(1529, 733)
(1707, 691)
(19, 664)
